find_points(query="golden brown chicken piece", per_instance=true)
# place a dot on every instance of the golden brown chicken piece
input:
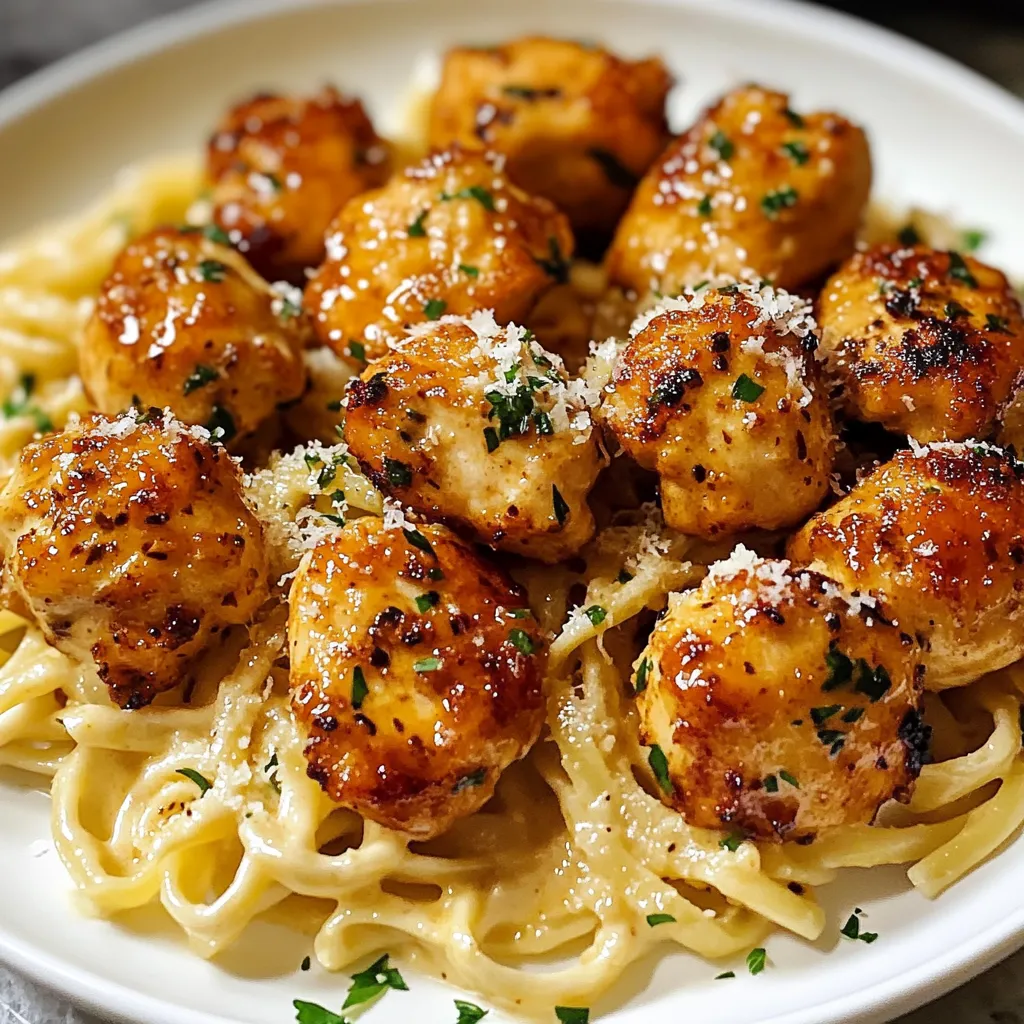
(281, 167)
(939, 534)
(478, 426)
(578, 125)
(416, 671)
(927, 343)
(448, 235)
(184, 323)
(129, 542)
(719, 394)
(778, 705)
(752, 186)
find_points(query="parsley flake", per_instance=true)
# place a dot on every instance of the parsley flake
(746, 390)
(424, 602)
(192, 775)
(771, 784)
(469, 271)
(306, 964)
(756, 960)
(822, 714)
(722, 145)
(215, 233)
(555, 265)
(732, 841)
(417, 228)
(908, 235)
(477, 192)
(797, 152)
(357, 350)
(840, 670)
(212, 270)
(469, 1013)
(974, 239)
(659, 765)
(199, 378)
(522, 641)
(999, 324)
(417, 540)
(725, 974)
(640, 684)
(369, 984)
(431, 664)
(434, 309)
(655, 919)
(790, 778)
(596, 614)
(221, 425)
(18, 404)
(794, 118)
(491, 437)
(359, 687)
(959, 270)
(954, 311)
(774, 202)
(470, 781)
(704, 208)
(573, 1014)
(399, 474)
(314, 1013)
(560, 507)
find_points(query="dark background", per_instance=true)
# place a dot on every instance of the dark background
(986, 34)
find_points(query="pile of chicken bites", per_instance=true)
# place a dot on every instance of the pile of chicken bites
(843, 404)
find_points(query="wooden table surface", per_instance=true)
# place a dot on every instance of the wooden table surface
(35, 32)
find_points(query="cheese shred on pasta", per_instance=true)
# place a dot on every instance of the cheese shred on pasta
(568, 860)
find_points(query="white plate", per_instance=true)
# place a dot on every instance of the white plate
(942, 138)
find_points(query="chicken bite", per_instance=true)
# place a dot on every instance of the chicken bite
(777, 704)
(938, 532)
(478, 426)
(719, 394)
(448, 235)
(752, 186)
(415, 672)
(184, 323)
(281, 167)
(579, 125)
(129, 542)
(924, 342)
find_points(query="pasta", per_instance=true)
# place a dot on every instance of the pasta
(575, 851)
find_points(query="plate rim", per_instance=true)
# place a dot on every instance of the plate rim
(883, 1000)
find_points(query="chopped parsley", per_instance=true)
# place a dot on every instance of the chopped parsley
(874, 683)
(193, 776)
(215, 233)
(18, 404)
(212, 270)
(624, 576)
(491, 437)
(469, 271)
(270, 770)
(221, 425)
(852, 929)
(704, 208)
(434, 309)
(756, 960)
(852, 715)
(790, 778)
(359, 687)
(659, 765)
(794, 118)
(999, 324)
(306, 964)
(617, 173)
(469, 1013)
(417, 229)
(542, 421)
(470, 781)
(477, 192)
(954, 311)
(822, 714)
(959, 271)
(369, 984)
(199, 378)
(725, 974)
(774, 202)
(746, 390)
(357, 350)
(640, 684)
(797, 152)
(840, 669)
(771, 784)
(519, 613)
(722, 145)
(573, 1014)
(973, 239)
(424, 602)
(833, 739)
(908, 235)
(522, 641)
(314, 1013)
(431, 664)
(560, 507)
(655, 919)
(399, 474)
(596, 614)
(555, 265)
(732, 841)
(417, 540)
(512, 411)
